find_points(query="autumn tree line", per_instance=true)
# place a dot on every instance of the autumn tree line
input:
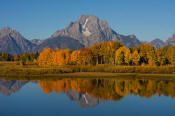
(113, 53)
(109, 53)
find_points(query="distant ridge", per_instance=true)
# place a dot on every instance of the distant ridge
(157, 43)
(61, 42)
(86, 31)
(12, 42)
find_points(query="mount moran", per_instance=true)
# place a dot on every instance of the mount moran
(86, 31)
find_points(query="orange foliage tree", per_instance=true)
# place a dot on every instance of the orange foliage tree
(46, 57)
(54, 58)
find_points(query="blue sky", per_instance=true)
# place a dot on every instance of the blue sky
(39, 19)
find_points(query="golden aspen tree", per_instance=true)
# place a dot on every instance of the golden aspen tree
(67, 56)
(123, 56)
(85, 56)
(135, 57)
(61, 57)
(75, 57)
(119, 57)
(46, 57)
(127, 56)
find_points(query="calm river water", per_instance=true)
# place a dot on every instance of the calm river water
(88, 97)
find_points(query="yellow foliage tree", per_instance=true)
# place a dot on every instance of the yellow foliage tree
(135, 57)
(122, 56)
(75, 57)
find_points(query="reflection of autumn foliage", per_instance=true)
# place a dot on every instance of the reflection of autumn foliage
(111, 89)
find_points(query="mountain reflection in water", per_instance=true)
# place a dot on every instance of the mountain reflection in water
(91, 92)
(9, 87)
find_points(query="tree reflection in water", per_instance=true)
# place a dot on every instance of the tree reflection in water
(108, 89)
(90, 92)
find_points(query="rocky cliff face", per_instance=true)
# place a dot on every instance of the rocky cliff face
(89, 30)
(37, 41)
(12, 42)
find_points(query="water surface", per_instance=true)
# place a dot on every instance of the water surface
(88, 97)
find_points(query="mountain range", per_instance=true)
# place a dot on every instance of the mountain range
(158, 43)
(86, 31)
(12, 42)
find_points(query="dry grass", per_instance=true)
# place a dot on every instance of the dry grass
(5, 63)
(125, 69)
(11, 68)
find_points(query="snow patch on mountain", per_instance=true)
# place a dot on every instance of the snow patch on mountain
(86, 31)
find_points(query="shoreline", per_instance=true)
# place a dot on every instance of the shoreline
(12, 70)
(86, 75)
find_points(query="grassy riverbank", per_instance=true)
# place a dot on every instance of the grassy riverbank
(89, 75)
(10, 69)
